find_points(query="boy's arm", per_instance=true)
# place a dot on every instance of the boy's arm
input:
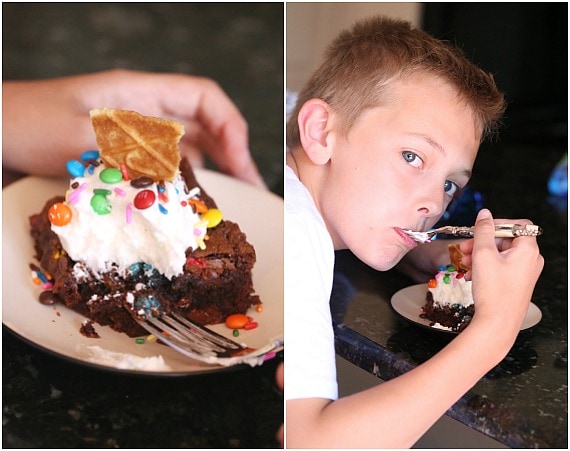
(46, 122)
(397, 413)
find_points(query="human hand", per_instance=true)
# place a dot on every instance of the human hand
(46, 122)
(504, 272)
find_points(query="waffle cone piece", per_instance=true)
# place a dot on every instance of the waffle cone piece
(455, 256)
(147, 146)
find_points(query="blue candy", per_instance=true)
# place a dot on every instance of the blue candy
(75, 168)
(90, 155)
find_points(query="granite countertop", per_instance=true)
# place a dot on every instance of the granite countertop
(522, 402)
(49, 402)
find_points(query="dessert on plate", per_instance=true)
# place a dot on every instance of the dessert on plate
(449, 300)
(135, 233)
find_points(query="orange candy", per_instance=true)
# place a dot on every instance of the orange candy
(199, 205)
(237, 321)
(59, 214)
(432, 283)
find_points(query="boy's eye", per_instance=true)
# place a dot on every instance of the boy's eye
(412, 158)
(450, 188)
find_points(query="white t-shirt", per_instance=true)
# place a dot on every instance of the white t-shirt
(310, 369)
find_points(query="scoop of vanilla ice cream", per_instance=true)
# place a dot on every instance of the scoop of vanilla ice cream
(157, 234)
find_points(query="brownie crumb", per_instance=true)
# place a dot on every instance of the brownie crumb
(88, 330)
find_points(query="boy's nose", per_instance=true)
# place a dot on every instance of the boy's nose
(431, 203)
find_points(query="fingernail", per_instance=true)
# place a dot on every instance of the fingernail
(484, 214)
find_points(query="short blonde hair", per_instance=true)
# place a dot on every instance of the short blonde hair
(362, 61)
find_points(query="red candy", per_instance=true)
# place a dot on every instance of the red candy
(250, 325)
(144, 199)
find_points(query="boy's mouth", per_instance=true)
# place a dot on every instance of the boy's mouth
(408, 240)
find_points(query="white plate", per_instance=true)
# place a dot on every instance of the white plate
(55, 328)
(408, 302)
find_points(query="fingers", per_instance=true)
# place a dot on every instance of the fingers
(213, 124)
(224, 131)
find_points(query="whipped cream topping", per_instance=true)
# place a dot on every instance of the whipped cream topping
(110, 227)
(451, 288)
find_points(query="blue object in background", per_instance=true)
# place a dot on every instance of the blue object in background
(558, 181)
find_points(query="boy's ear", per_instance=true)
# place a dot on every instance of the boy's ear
(314, 124)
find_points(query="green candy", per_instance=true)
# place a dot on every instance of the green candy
(111, 175)
(100, 204)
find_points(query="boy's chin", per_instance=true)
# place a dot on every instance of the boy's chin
(381, 263)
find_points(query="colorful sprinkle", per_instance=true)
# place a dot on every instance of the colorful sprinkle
(59, 214)
(259, 308)
(74, 196)
(235, 333)
(124, 172)
(120, 192)
(162, 209)
(129, 213)
(111, 175)
(140, 341)
(163, 197)
(199, 206)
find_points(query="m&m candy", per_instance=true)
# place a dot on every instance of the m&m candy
(59, 214)
(100, 204)
(90, 155)
(111, 175)
(144, 199)
(75, 168)
(213, 217)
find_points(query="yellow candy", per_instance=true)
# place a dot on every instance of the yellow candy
(213, 216)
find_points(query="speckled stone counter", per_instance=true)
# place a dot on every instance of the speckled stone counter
(49, 402)
(523, 401)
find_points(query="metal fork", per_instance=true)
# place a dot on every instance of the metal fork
(501, 231)
(202, 344)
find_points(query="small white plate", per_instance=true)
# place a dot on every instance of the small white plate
(55, 328)
(408, 302)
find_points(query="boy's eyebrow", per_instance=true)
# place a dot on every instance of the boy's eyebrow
(433, 143)
(428, 139)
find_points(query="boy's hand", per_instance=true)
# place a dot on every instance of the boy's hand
(46, 122)
(504, 272)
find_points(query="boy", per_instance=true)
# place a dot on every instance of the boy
(383, 136)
